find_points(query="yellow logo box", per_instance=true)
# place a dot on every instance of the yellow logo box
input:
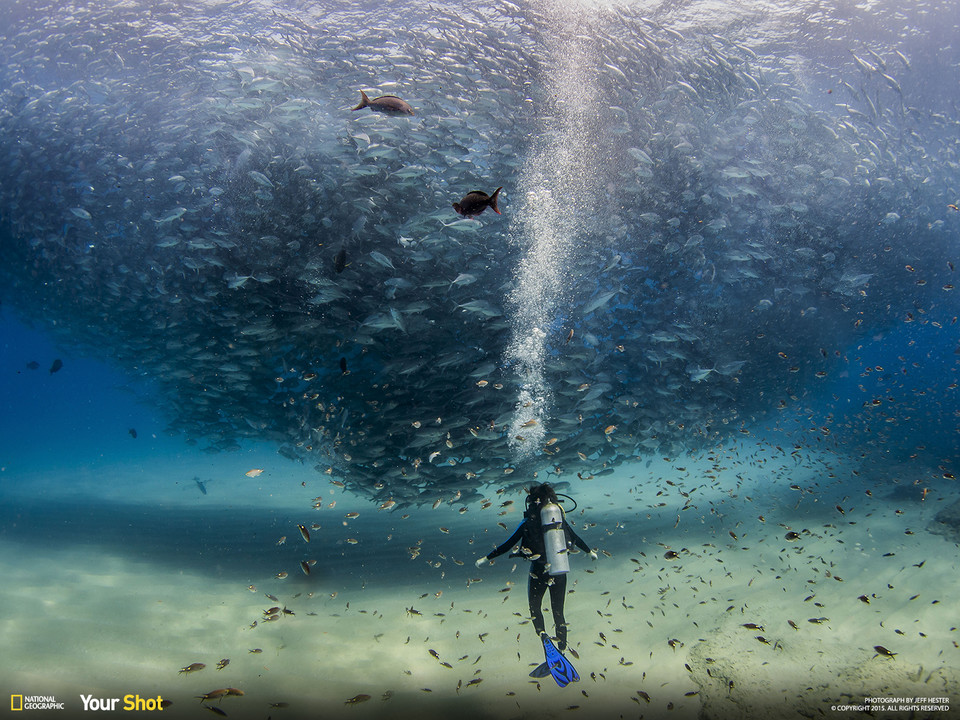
(16, 703)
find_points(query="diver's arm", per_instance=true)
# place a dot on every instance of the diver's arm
(514, 539)
(577, 541)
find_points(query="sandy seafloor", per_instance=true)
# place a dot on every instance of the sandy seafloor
(118, 572)
(112, 588)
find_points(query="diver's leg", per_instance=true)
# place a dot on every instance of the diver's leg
(536, 587)
(558, 591)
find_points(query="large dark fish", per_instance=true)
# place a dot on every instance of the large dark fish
(476, 202)
(340, 261)
(390, 104)
(57, 364)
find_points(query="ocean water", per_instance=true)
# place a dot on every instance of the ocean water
(716, 309)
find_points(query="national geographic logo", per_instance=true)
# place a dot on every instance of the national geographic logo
(19, 703)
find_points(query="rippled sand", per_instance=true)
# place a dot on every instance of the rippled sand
(112, 590)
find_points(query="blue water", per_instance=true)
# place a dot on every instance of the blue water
(80, 414)
(718, 311)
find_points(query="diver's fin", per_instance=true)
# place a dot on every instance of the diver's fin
(561, 669)
(540, 671)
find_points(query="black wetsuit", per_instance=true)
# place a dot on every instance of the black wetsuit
(530, 537)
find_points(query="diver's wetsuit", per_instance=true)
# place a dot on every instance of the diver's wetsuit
(530, 537)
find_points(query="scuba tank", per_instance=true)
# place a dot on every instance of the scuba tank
(554, 539)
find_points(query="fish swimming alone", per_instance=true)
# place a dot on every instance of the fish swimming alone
(476, 201)
(390, 104)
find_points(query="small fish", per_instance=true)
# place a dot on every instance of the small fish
(389, 104)
(305, 567)
(223, 663)
(33, 365)
(260, 179)
(216, 710)
(133, 433)
(340, 261)
(171, 216)
(304, 533)
(192, 667)
(57, 364)
(357, 699)
(253, 473)
(753, 626)
(883, 651)
(476, 201)
(201, 485)
(791, 536)
(343, 366)
(671, 555)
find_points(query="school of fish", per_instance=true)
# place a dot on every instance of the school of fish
(193, 192)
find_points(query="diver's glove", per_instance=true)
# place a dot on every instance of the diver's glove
(481, 561)
(593, 554)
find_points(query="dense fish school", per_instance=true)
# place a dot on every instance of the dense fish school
(695, 225)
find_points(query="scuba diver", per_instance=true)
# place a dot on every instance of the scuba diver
(545, 537)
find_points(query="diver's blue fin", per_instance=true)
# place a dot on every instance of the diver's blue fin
(561, 669)
(540, 671)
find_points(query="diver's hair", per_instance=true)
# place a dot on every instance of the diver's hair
(540, 495)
